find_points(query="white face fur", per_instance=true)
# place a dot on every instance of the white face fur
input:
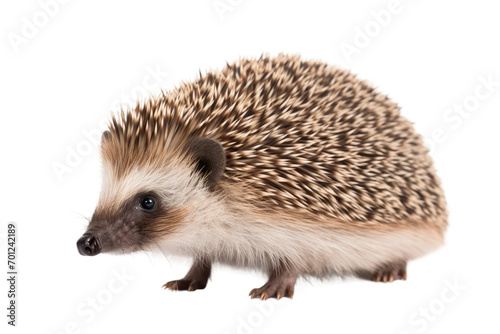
(122, 224)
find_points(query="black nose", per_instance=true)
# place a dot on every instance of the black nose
(88, 245)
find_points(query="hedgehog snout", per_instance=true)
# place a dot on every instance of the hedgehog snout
(88, 245)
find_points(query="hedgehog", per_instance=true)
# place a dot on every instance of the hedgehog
(290, 167)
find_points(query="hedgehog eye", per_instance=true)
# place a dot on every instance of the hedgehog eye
(148, 203)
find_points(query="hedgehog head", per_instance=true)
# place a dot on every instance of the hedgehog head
(154, 181)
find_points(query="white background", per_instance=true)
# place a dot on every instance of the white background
(61, 79)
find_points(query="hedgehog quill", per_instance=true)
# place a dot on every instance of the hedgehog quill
(293, 167)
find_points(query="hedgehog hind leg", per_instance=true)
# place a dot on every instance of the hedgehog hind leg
(195, 279)
(281, 283)
(390, 272)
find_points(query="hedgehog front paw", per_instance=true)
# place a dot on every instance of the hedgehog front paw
(185, 284)
(273, 290)
(196, 278)
(281, 283)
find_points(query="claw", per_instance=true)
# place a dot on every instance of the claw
(167, 285)
(264, 295)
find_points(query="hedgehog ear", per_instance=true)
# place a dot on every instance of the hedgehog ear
(210, 159)
(106, 135)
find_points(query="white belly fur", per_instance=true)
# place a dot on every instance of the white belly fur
(312, 249)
